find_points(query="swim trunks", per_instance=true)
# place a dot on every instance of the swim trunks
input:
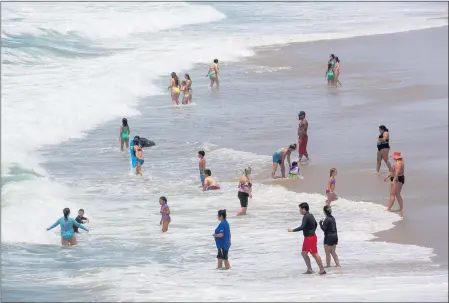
(277, 157)
(141, 161)
(331, 239)
(302, 145)
(401, 179)
(201, 176)
(243, 197)
(292, 176)
(214, 187)
(222, 254)
(310, 244)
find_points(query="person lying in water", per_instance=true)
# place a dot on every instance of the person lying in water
(209, 182)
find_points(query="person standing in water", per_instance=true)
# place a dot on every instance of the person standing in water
(212, 73)
(80, 219)
(383, 148)
(209, 182)
(68, 237)
(174, 88)
(202, 165)
(279, 159)
(308, 227)
(139, 158)
(244, 191)
(222, 236)
(330, 191)
(329, 227)
(330, 75)
(397, 179)
(165, 212)
(124, 134)
(189, 86)
(303, 138)
(337, 71)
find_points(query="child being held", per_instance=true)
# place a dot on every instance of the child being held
(294, 170)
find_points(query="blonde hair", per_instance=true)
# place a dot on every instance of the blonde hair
(247, 171)
(332, 171)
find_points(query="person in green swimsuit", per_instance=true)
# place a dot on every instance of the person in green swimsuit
(212, 73)
(124, 134)
(330, 75)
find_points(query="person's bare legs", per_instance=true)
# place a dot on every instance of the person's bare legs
(306, 258)
(319, 262)
(392, 196)
(126, 144)
(398, 195)
(217, 81)
(121, 144)
(379, 161)
(275, 167)
(165, 225)
(242, 211)
(384, 153)
(212, 81)
(282, 169)
(219, 263)
(73, 241)
(227, 264)
(327, 251)
(334, 255)
(64, 242)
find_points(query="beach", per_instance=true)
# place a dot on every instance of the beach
(382, 86)
(72, 71)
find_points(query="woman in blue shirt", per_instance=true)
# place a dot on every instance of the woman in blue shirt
(68, 237)
(222, 237)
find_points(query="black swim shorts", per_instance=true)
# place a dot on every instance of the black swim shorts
(222, 254)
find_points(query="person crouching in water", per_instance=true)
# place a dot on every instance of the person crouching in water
(329, 227)
(209, 182)
(222, 236)
(308, 227)
(330, 191)
(165, 212)
(244, 192)
(68, 237)
(294, 172)
(139, 157)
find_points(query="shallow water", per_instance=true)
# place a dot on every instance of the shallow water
(125, 257)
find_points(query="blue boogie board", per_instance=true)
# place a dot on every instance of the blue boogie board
(131, 152)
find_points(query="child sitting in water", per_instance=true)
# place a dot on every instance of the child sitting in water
(165, 212)
(80, 219)
(209, 182)
(294, 171)
(186, 93)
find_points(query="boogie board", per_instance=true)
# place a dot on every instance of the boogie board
(131, 152)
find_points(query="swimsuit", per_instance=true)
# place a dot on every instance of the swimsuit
(211, 75)
(201, 176)
(401, 179)
(383, 144)
(213, 187)
(294, 172)
(125, 133)
(332, 183)
(67, 231)
(165, 217)
(330, 74)
(242, 195)
(175, 89)
(277, 156)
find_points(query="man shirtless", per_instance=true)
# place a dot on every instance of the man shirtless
(303, 138)
(209, 182)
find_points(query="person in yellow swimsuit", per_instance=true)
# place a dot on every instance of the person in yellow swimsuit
(174, 87)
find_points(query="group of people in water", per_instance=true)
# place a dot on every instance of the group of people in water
(333, 71)
(222, 234)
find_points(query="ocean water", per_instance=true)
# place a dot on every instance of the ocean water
(71, 71)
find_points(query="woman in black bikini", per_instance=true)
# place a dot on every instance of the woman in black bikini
(397, 179)
(383, 148)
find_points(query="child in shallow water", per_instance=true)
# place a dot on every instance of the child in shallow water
(165, 212)
(294, 171)
(185, 92)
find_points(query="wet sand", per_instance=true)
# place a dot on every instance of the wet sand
(400, 80)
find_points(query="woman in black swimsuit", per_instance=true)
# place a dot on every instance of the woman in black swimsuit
(383, 148)
(329, 227)
(245, 191)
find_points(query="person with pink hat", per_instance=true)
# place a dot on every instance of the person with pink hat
(397, 179)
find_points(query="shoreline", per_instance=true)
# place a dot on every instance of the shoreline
(406, 230)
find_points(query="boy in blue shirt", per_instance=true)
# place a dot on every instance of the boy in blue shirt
(222, 237)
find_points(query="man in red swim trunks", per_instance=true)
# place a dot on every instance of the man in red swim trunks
(303, 138)
(308, 227)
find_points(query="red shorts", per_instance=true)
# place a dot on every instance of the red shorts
(310, 244)
(302, 145)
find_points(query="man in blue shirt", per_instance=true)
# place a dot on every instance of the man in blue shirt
(222, 237)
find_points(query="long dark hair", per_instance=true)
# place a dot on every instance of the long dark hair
(337, 60)
(66, 212)
(125, 122)
(175, 77)
(383, 128)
